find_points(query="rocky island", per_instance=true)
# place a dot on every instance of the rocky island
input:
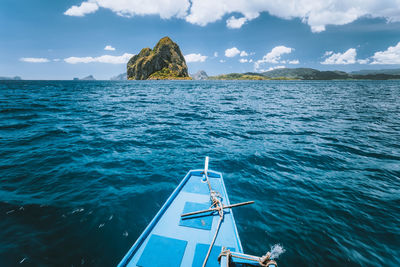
(120, 77)
(164, 62)
(200, 75)
(88, 78)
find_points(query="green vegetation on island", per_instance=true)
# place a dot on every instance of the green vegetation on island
(164, 62)
(167, 74)
(246, 76)
(381, 71)
(313, 74)
(237, 76)
(309, 74)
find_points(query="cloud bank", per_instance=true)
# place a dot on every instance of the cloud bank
(317, 14)
(166, 9)
(101, 59)
(34, 59)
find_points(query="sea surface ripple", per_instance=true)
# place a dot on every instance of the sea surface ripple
(84, 166)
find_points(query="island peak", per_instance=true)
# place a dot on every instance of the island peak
(164, 62)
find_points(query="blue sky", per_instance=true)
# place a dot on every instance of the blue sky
(49, 39)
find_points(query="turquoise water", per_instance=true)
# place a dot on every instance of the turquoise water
(84, 166)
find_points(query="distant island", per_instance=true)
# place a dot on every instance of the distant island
(120, 77)
(164, 62)
(311, 74)
(87, 78)
(239, 76)
(200, 75)
(382, 71)
(15, 78)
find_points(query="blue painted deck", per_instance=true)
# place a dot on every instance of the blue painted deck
(170, 241)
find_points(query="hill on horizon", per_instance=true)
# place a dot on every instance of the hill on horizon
(306, 74)
(380, 71)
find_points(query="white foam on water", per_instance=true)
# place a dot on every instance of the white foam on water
(10, 211)
(77, 210)
(276, 251)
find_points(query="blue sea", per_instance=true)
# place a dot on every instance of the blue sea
(84, 166)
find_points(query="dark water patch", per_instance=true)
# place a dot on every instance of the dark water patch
(16, 126)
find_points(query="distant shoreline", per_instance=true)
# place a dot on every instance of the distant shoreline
(209, 80)
(281, 74)
(309, 74)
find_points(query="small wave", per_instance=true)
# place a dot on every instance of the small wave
(277, 250)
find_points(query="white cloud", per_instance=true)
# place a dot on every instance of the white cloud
(348, 57)
(34, 59)
(203, 12)
(109, 48)
(317, 13)
(389, 56)
(272, 68)
(221, 60)
(232, 52)
(56, 60)
(128, 8)
(245, 60)
(363, 61)
(275, 56)
(101, 59)
(235, 23)
(82, 10)
(195, 58)
(243, 54)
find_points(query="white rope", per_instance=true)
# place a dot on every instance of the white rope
(215, 199)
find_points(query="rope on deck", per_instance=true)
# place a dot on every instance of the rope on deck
(216, 201)
(217, 205)
(264, 261)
